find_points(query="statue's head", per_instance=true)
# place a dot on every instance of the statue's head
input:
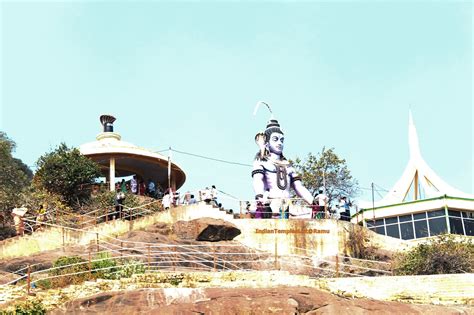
(274, 137)
(270, 141)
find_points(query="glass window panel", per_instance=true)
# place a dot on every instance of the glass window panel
(421, 229)
(392, 230)
(417, 216)
(405, 218)
(469, 226)
(438, 226)
(391, 220)
(380, 230)
(455, 225)
(454, 213)
(370, 224)
(407, 231)
(378, 222)
(469, 215)
(436, 213)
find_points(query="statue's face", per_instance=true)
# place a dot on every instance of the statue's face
(275, 143)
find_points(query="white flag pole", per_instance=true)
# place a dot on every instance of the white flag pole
(169, 169)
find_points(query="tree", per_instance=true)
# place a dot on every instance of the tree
(15, 176)
(67, 173)
(329, 172)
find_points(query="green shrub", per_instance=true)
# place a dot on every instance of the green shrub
(175, 279)
(442, 255)
(112, 269)
(44, 284)
(129, 268)
(64, 262)
(105, 262)
(29, 307)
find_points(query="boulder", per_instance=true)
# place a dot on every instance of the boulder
(6, 277)
(206, 229)
(160, 228)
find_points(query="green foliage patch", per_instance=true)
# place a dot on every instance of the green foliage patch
(15, 177)
(104, 266)
(71, 269)
(28, 307)
(129, 268)
(442, 255)
(327, 165)
(75, 270)
(67, 173)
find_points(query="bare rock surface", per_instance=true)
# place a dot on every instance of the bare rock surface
(206, 229)
(213, 236)
(281, 300)
(6, 277)
(40, 261)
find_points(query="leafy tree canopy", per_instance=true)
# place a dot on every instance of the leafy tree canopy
(67, 173)
(15, 176)
(329, 172)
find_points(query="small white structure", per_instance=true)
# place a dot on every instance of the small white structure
(420, 204)
(120, 158)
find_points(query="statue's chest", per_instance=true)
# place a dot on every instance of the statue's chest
(277, 175)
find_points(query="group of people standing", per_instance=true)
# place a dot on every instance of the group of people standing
(139, 187)
(209, 196)
(170, 198)
(322, 208)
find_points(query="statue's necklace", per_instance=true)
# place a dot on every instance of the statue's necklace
(282, 178)
(282, 174)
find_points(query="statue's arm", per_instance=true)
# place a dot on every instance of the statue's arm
(300, 190)
(258, 178)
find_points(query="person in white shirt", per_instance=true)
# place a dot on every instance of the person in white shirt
(322, 201)
(206, 196)
(166, 201)
(213, 192)
(186, 198)
(18, 214)
(214, 196)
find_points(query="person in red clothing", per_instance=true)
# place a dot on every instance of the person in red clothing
(141, 188)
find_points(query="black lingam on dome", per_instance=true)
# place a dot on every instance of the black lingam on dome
(108, 122)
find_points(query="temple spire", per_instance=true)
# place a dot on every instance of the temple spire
(413, 138)
(418, 181)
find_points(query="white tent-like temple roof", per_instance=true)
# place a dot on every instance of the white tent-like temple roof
(418, 181)
(420, 204)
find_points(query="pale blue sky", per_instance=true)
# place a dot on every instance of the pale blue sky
(188, 75)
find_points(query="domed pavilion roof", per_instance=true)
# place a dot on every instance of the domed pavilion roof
(129, 158)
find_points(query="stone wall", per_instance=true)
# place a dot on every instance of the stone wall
(56, 237)
(435, 289)
(321, 238)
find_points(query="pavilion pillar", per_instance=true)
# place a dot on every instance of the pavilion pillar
(173, 184)
(112, 174)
